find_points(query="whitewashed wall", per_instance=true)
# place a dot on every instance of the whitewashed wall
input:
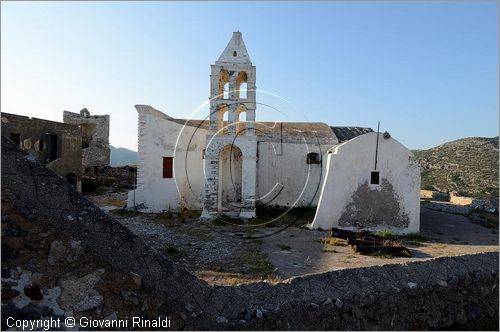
(157, 139)
(283, 176)
(349, 166)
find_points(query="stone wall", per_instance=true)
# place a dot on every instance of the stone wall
(55, 144)
(462, 203)
(95, 136)
(488, 205)
(448, 292)
(459, 200)
(434, 195)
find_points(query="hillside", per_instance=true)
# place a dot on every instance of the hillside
(468, 166)
(122, 156)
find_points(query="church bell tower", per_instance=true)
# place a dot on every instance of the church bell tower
(231, 146)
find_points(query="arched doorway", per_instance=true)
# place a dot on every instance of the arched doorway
(72, 179)
(230, 165)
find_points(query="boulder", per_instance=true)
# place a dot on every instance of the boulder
(79, 294)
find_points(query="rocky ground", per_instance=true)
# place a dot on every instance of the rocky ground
(468, 166)
(62, 256)
(49, 273)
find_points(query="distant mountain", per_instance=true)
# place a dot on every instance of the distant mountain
(122, 156)
(468, 166)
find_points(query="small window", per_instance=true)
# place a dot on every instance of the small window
(375, 178)
(313, 158)
(16, 138)
(234, 53)
(167, 167)
(203, 152)
(41, 145)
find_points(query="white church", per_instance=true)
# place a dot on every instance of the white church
(357, 179)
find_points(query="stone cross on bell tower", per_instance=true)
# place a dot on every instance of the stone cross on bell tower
(231, 146)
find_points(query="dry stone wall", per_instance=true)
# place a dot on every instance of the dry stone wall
(434, 195)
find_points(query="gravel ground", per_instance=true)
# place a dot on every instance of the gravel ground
(195, 247)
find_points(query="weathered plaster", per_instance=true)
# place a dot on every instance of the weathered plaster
(371, 208)
(348, 200)
(160, 136)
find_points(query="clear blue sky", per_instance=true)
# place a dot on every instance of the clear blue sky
(427, 70)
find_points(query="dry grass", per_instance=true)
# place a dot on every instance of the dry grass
(333, 241)
(328, 248)
(246, 265)
(348, 259)
(329, 243)
(116, 202)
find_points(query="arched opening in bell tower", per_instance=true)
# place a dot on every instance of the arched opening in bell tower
(222, 118)
(223, 88)
(241, 85)
(241, 118)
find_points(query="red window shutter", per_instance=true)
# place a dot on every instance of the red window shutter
(168, 163)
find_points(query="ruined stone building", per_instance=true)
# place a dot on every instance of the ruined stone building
(230, 163)
(79, 144)
(95, 138)
(55, 144)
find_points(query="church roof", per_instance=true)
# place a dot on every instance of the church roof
(347, 133)
(286, 131)
(235, 51)
(273, 130)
